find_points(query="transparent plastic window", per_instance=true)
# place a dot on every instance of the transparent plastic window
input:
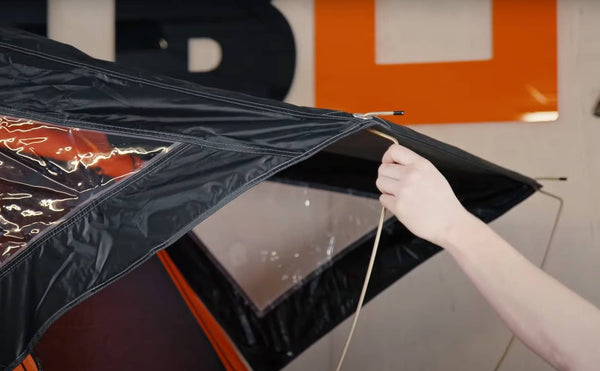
(48, 171)
(273, 236)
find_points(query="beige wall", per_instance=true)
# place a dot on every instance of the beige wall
(433, 319)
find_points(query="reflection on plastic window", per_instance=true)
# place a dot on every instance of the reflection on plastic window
(275, 235)
(46, 171)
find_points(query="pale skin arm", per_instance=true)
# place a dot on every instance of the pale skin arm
(550, 319)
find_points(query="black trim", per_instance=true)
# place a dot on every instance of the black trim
(37, 361)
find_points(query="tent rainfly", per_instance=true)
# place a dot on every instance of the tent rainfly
(262, 213)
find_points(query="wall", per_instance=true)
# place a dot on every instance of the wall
(433, 319)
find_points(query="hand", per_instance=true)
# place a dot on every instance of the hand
(419, 195)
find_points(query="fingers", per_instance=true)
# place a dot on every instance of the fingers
(393, 171)
(387, 185)
(387, 201)
(400, 155)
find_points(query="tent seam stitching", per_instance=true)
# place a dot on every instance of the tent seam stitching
(166, 86)
(65, 121)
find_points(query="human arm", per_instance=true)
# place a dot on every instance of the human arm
(553, 321)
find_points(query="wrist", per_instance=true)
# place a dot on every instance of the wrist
(464, 227)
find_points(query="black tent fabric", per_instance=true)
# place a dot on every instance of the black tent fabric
(212, 145)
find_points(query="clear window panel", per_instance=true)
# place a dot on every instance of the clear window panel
(48, 171)
(273, 236)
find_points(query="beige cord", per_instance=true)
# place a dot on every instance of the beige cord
(369, 268)
(383, 135)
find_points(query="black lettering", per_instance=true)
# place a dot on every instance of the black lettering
(258, 49)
